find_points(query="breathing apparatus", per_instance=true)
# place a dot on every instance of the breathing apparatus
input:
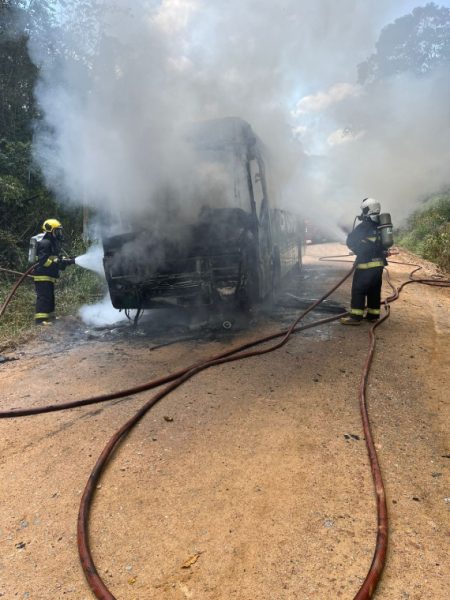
(32, 250)
(370, 211)
(385, 230)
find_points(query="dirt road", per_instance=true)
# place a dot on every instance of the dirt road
(251, 481)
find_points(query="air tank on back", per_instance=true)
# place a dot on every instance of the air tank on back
(386, 230)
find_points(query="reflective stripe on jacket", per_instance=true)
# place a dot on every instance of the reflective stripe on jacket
(371, 264)
(44, 278)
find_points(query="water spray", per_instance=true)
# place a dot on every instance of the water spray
(92, 260)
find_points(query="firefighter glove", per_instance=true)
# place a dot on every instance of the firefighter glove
(65, 262)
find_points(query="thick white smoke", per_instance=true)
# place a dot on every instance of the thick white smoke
(392, 143)
(135, 72)
(101, 314)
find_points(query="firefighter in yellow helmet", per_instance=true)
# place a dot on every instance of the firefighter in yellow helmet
(50, 262)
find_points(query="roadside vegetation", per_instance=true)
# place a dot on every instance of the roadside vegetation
(427, 232)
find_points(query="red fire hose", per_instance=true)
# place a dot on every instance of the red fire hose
(175, 380)
(153, 383)
(373, 576)
(92, 576)
(9, 297)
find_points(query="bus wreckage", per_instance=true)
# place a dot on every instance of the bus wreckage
(229, 257)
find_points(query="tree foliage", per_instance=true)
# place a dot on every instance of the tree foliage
(17, 76)
(24, 200)
(418, 43)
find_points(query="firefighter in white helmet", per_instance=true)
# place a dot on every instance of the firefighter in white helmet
(49, 264)
(365, 242)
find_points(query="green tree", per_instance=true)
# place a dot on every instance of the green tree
(17, 76)
(418, 42)
(25, 203)
(24, 200)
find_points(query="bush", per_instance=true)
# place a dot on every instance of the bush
(436, 247)
(428, 232)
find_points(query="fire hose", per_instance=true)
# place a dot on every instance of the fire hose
(21, 279)
(12, 272)
(175, 380)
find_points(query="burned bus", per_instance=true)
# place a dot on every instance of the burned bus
(232, 254)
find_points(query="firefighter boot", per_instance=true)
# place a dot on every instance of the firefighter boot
(350, 320)
(372, 315)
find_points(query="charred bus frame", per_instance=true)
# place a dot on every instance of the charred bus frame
(229, 257)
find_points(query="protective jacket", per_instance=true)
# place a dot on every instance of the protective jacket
(48, 265)
(365, 242)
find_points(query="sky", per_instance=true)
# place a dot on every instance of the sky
(112, 134)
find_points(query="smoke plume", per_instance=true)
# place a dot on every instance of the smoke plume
(132, 75)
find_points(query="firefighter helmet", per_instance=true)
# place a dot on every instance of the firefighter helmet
(370, 207)
(54, 227)
(50, 225)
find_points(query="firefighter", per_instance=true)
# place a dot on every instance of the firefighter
(49, 264)
(365, 242)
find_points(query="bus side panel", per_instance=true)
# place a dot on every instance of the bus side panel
(288, 239)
